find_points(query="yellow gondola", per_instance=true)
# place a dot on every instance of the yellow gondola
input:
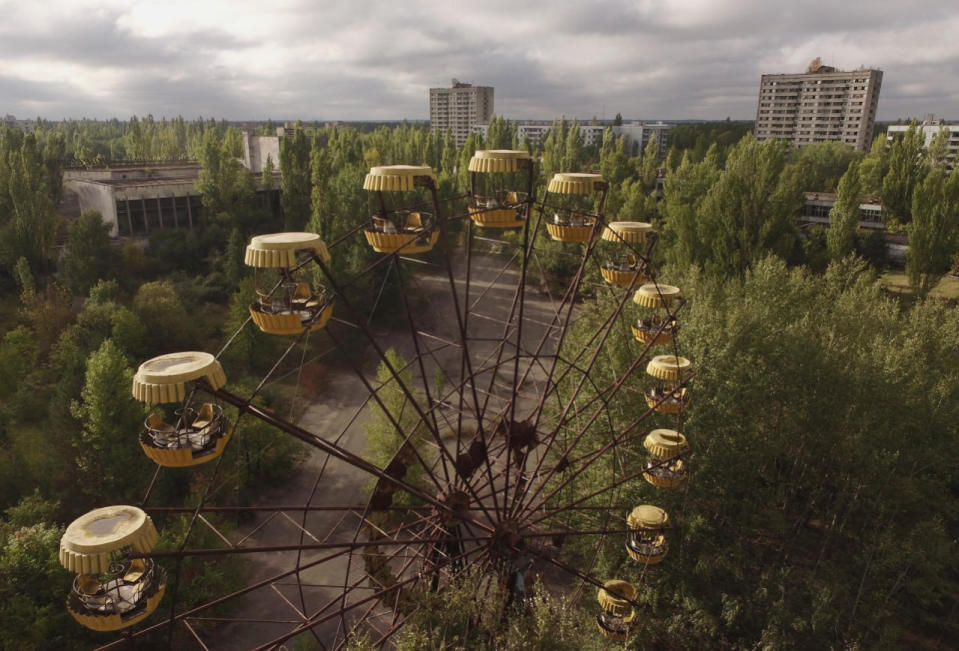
(615, 598)
(672, 397)
(498, 205)
(574, 221)
(111, 590)
(286, 304)
(645, 541)
(400, 231)
(665, 469)
(200, 432)
(657, 329)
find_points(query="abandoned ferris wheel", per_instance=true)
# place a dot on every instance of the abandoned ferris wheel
(496, 468)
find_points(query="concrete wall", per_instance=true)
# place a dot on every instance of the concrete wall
(96, 196)
(256, 149)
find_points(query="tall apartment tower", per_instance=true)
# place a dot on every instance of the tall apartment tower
(821, 105)
(459, 108)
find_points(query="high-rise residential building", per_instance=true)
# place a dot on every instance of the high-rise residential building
(930, 128)
(821, 105)
(459, 107)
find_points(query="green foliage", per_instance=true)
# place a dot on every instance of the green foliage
(471, 615)
(32, 186)
(726, 220)
(159, 308)
(295, 179)
(844, 216)
(89, 257)
(823, 164)
(815, 514)
(907, 167)
(934, 230)
(228, 188)
(109, 419)
(394, 418)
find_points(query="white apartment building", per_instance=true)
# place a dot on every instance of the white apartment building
(821, 105)
(930, 129)
(460, 107)
(638, 134)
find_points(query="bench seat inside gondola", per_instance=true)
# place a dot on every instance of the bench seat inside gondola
(654, 547)
(198, 436)
(124, 595)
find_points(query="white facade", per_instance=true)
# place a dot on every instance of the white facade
(637, 134)
(930, 129)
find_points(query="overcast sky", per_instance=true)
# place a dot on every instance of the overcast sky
(365, 59)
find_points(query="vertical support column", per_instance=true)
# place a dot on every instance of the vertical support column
(143, 204)
(189, 210)
(126, 203)
(176, 220)
(160, 211)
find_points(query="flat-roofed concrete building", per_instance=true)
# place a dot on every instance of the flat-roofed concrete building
(637, 134)
(134, 199)
(460, 107)
(821, 105)
(930, 128)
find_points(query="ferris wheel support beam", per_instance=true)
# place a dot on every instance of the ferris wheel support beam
(316, 621)
(615, 440)
(326, 446)
(614, 389)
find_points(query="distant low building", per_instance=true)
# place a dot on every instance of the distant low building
(637, 134)
(134, 199)
(930, 129)
(22, 125)
(818, 204)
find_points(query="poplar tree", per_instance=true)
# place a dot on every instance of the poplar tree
(295, 179)
(844, 216)
(933, 231)
(907, 167)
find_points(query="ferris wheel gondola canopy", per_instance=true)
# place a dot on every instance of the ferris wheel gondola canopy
(653, 295)
(627, 232)
(647, 516)
(576, 183)
(665, 443)
(397, 178)
(670, 368)
(490, 161)
(88, 544)
(163, 379)
(279, 250)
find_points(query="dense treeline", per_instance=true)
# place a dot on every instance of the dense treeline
(833, 435)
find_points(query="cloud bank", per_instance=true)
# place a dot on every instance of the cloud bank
(372, 59)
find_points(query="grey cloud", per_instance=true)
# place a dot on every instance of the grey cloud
(545, 60)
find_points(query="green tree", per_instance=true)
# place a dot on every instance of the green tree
(295, 179)
(874, 167)
(89, 257)
(933, 231)
(649, 168)
(907, 167)
(747, 213)
(227, 187)
(844, 215)
(822, 164)
(109, 419)
(937, 152)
